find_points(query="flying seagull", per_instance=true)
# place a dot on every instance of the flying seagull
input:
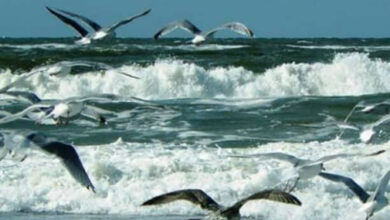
(305, 168)
(18, 142)
(199, 36)
(61, 110)
(372, 203)
(100, 32)
(368, 131)
(198, 197)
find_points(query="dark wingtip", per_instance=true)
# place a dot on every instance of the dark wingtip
(378, 152)
(148, 11)
(92, 188)
(156, 36)
(146, 203)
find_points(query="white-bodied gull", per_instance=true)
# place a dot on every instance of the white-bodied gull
(199, 36)
(368, 131)
(18, 143)
(198, 197)
(62, 110)
(305, 168)
(372, 203)
(100, 32)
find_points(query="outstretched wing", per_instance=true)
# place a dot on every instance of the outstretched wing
(350, 183)
(234, 26)
(334, 156)
(69, 22)
(185, 25)
(274, 155)
(86, 20)
(22, 113)
(273, 195)
(127, 20)
(71, 160)
(381, 188)
(90, 112)
(18, 80)
(195, 196)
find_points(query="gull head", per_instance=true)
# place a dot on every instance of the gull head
(366, 135)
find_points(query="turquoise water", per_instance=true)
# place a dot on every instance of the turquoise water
(192, 106)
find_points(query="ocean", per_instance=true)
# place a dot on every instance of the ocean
(175, 127)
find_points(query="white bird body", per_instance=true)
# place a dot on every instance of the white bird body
(306, 169)
(309, 171)
(103, 34)
(371, 203)
(198, 39)
(83, 41)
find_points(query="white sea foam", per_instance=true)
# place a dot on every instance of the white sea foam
(346, 74)
(341, 47)
(127, 174)
(47, 46)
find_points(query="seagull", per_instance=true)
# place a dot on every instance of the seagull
(61, 111)
(18, 142)
(61, 68)
(305, 168)
(199, 36)
(368, 131)
(100, 32)
(371, 203)
(198, 197)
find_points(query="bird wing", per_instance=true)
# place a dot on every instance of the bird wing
(195, 196)
(334, 156)
(350, 183)
(22, 113)
(108, 67)
(90, 98)
(185, 25)
(127, 20)
(90, 112)
(19, 79)
(86, 20)
(69, 22)
(71, 160)
(381, 188)
(28, 96)
(273, 195)
(274, 155)
(234, 26)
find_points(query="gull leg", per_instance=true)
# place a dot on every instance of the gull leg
(295, 185)
(23, 158)
(286, 187)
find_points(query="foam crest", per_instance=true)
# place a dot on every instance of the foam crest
(127, 174)
(348, 74)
